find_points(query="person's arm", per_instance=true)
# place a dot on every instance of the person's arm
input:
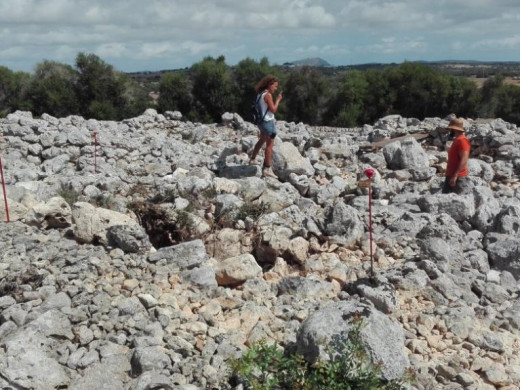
(273, 107)
(464, 157)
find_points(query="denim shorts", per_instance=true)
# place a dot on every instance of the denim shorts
(268, 128)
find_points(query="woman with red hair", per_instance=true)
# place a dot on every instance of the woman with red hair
(265, 90)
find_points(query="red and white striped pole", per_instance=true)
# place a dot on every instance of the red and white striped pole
(3, 186)
(94, 134)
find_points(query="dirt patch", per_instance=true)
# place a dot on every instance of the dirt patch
(481, 80)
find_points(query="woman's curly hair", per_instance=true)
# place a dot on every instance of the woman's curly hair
(265, 83)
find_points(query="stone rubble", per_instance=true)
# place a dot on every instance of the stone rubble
(94, 295)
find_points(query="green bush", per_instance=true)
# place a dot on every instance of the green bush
(175, 93)
(348, 367)
(252, 210)
(68, 193)
(104, 201)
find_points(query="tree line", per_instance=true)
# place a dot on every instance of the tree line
(203, 92)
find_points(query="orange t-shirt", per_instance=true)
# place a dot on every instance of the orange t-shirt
(461, 144)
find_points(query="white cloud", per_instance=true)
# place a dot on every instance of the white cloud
(399, 15)
(63, 53)
(164, 49)
(322, 51)
(392, 45)
(13, 52)
(511, 42)
(112, 50)
(163, 31)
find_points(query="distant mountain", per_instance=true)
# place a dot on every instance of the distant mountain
(316, 61)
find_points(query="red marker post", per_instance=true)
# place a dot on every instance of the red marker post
(94, 134)
(3, 185)
(369, 173)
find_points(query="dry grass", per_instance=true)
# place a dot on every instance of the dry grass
(481, 80)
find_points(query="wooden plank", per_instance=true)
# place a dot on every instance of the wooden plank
(379, 144)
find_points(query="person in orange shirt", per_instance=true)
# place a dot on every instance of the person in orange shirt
(458, 156)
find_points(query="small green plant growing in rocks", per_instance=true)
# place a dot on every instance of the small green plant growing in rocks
(168, 196)
(104, 201)
(252, 210)
(202, 200)
(67, 192)
(184, 225)
(348, 367)
(164, 228)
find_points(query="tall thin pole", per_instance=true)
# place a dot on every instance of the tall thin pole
(3, 189)
(370, 228)
(95, 151)
(370, 173)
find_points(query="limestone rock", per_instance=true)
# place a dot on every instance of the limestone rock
(236, 270)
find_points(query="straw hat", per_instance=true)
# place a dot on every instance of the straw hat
(456, 124)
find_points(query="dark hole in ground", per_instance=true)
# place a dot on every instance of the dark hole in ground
(164, 228)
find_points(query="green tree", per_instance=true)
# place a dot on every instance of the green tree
(213, 88)
(247, 73)
(13, 89)
(463, 98)
(489, 104)
(52, 89)
(105, 93)
(508, 107)
(419, 90)
(347, 107)
(175, 93)
(380, 97)
(306, 95)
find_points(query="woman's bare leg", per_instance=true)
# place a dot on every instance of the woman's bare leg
(258, 146)
(268, 150)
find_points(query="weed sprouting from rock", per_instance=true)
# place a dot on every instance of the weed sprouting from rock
(348, 367)
(67, 192)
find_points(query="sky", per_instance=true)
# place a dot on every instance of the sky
(151, 35)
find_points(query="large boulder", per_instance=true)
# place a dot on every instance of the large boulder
(460, 208)
(27, 362)
(184, 256)
(381, 336)
(91, 223)
(287, 159)
(508, 220)
(504, 254)
(487, 208)
(55, 213)
(236, 270)
(413, 155)
(439, 251)
(407, 154)
(130, 238)
(229, 242)
(343, 223)
(274, 243)
(305, 288)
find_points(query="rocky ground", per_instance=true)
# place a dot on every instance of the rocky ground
(152, 259)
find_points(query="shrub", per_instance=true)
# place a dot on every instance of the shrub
(348, 367)
(252, 210)
(104, 201)
(68, 193)
(165, 228)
